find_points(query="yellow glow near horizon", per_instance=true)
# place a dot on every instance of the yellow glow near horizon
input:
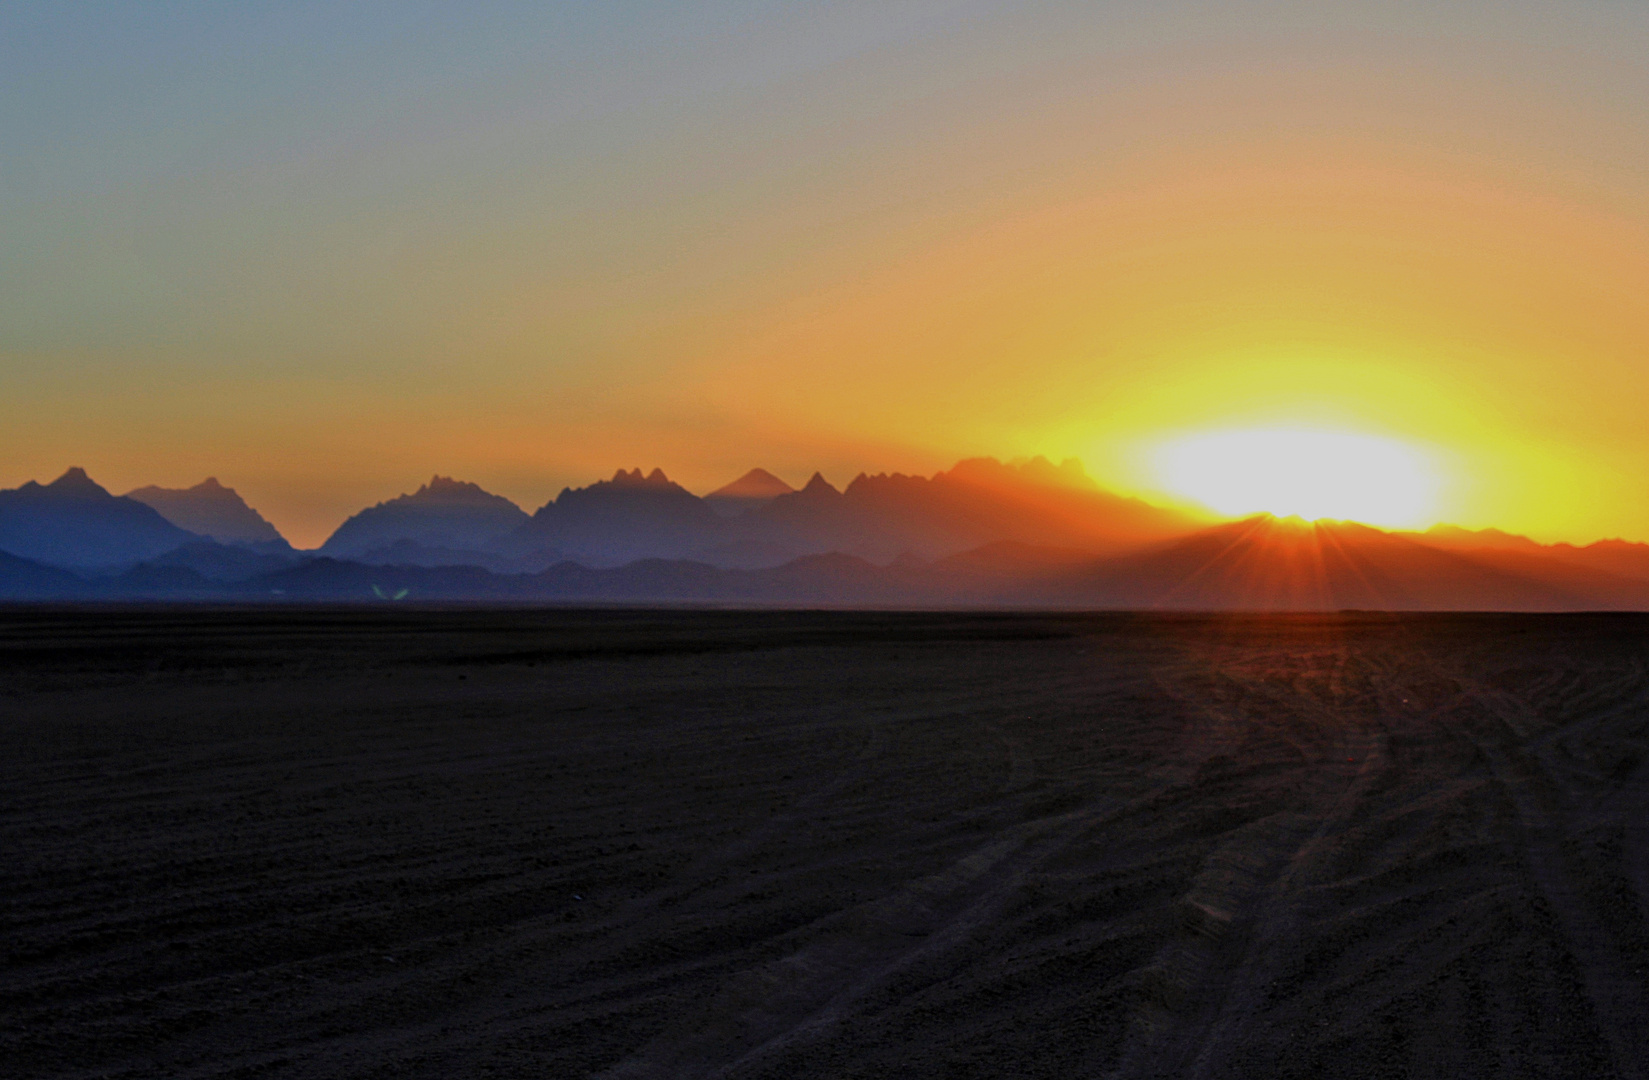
(1308, 473)
(836, 240)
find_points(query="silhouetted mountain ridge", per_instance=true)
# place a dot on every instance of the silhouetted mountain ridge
(977, 502)
(444, 515)
(1025, 534)
(25, 579)
(211, 510)
(1260, 563)
(617, 521)
(73, 522)
(758, 520)
(1622, 557)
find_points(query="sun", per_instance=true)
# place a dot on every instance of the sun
(1301, 471)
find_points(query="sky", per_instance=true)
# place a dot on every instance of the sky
(324, 251)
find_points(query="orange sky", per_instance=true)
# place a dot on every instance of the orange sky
(527, 250)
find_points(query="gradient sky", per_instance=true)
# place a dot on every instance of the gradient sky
(323, 251)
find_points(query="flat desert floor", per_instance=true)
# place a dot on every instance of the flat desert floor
(515, 843)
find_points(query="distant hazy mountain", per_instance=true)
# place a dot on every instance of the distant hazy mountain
(412, 553)
(1028, 534)
(1616, 556)
(977, 502)
(827, 580)
(617, 521)
(225, 562)
(880, 518)
(1611, 556)
(1454, 538)
(758, 487)
(25, 579)
(73, 522)
(757, 521)
(211, 510)
(445, 514)
(1265, 563)
(1261, 564)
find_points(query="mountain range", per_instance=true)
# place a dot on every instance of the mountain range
(984, 533)
(74, 523)
(443, 523)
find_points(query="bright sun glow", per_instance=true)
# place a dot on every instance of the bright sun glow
(1309, 473)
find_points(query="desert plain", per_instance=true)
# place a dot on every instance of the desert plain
(399, 842)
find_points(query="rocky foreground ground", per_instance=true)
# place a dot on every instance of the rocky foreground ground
(393, 843)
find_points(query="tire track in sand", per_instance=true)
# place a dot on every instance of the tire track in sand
(798, 999)
(1203, 988)
(1613, 982)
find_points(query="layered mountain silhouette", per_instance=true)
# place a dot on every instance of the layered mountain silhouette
(211, 510)
(25, 579)
(224, 562)
(983, 534)
(444, 522)
(979, 501)
(74, 522)
(1259, 564)
(1265, 563)
(1615, 556)
(1611, 556)
(617, 521)
(756, 521)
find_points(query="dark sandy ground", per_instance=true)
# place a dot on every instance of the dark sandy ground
(561, 844)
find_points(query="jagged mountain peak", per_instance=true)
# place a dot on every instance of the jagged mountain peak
(755, 484)
(634, 478)
(74, 481)
(446, 489)
(442, 514)
(817, 485)
(207, 488)
(627, 482)
(209, 509)
(1037, 471)
(74, 522)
